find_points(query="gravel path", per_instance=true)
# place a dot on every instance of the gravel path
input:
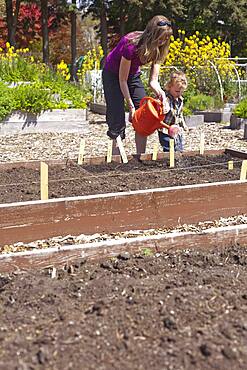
(44, 146)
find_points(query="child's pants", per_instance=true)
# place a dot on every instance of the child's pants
(165, 142)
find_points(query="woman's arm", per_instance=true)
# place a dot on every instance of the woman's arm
(123, 77)
(155, 86)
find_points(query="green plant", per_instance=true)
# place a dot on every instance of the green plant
(7, 100)
(186, 111)
(147, 252)
(32, 98)
(200, 102)
(241, 109)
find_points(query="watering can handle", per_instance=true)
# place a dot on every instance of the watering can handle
(146, 98)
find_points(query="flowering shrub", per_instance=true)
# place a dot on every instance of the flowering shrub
(34, 86)
(18, 65)
(205, 61)
(63, 70)
(91, 61)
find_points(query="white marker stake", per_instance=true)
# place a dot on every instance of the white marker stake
(172, 162)
(155, 152)
(121, 149)
(43, 181)
(243, 170)
(230, 165)
(109, 152)
(81, 151)
(202, 142)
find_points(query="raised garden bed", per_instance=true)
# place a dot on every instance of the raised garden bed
(57, 120)
(159, 308)
(169, 197)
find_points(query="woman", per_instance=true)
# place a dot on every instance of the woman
(121, 75)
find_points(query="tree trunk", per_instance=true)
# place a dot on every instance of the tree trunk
(45, 31)
(122, 20)
(11, 19)
(103, 27)
(73, 43)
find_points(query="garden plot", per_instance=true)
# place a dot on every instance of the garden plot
(178, 310)
(176, 300)
(147, 195)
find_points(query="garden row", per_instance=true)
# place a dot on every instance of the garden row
(147, 195)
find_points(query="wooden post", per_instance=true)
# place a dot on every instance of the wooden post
(109, 152)
(243, 170)
(81, 151)
(122, 150)
(230, 165)
(43, 181)
(202, 143)
(155, 152)
(171, 146)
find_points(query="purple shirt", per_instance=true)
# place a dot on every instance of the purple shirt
(123, 49)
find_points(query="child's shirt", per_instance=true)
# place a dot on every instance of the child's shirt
(175, 114)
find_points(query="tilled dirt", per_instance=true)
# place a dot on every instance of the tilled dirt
(175, 311)
(22, 184)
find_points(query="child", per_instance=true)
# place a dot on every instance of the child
(174, 118)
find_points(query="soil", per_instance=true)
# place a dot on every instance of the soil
(179, 310)
(22, 184)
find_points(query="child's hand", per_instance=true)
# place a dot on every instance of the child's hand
(186, 128)
(131, 113)
(173, 130)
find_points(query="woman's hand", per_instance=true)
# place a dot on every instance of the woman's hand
(131, 113)
(155, 86)
(165, 102)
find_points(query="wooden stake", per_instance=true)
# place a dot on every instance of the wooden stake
(202, 143)
(43, 181)
(230, 165)
(172, 162)
(122, 150)
(109, 152)
(155, 152)
(81, 151)
(243, 170)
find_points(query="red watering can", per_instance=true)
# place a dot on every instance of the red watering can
(149, 116)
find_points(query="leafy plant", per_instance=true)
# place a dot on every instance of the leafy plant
(147, 252)
(241, 109)
(186, 111)
(200, 102)
(32, 98)
(7, 101)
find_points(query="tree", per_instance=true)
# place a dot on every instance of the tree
(12, 13)
(45, 31)
(73, 16)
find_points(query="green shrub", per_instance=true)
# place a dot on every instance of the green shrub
(32, 98)
(200, 102)
(241, 109)
(186, 111)
(7, 100)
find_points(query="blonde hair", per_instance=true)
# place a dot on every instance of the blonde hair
(149, 48)
(178, 78)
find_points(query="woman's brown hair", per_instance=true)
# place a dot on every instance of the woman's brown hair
(153, 43)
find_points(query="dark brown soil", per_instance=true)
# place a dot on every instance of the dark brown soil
(180, 310)
(21, 184)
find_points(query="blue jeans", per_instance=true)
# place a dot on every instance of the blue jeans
(165, 142)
